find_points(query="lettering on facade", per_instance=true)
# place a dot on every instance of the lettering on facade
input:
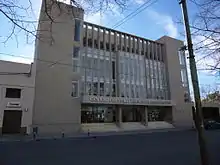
(119, 100)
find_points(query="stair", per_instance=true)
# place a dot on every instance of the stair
(129, 126)
(159, 125)
(99, 127)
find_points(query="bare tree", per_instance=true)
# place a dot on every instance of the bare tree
(206, 31)
(21, 19)
(210, 94)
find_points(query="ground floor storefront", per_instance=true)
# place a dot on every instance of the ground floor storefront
(118, 114)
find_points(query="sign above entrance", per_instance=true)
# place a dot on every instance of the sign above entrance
(129, 101)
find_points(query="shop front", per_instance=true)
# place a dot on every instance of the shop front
(102, 112)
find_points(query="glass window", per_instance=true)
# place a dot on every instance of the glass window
(107, 91)
(122, 90)
(75, 89)
(142, 91)
(88, 88)
(13, 93)
(113, 90)
(113, 70)
(102, 67)
(127, 89)
(97, 114)
(75, 65)
(82, 88)
(137, 91)
(77, 30)
(76, 51)
(132, 91)
(95, 88)
(184, 77)
(102, 89)
(181, 57)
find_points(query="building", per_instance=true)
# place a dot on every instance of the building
(92, 74)
(88, 77)
(16, 97)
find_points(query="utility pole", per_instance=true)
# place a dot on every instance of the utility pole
(198, 105)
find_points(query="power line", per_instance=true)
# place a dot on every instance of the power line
(134, 13)
(131, 13)
(52, 63)
(119, 23)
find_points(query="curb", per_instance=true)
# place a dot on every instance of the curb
(93, 135)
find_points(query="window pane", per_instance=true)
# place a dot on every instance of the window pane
(95, 88)
(113, 90)
(181, 58)
(107, 91)
(77, 30)
(76, 52)
(113, 70)
(75, 65)
(101, 89)
(184, 77)
(127, 90)
(97, 114)
(88, 88)
(75, 89)
(122, 90)
(13, 93)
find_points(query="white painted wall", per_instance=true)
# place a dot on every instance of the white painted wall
(24, 82)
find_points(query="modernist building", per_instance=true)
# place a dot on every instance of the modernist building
(87, 73)
(16, 97)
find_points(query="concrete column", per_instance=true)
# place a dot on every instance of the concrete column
(146, 116)
(119, 116)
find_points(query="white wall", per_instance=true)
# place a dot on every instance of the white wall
(9, 78)
(182, 111)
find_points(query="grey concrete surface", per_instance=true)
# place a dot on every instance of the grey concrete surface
(161, 148)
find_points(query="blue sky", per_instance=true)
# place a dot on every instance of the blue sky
(157, 20)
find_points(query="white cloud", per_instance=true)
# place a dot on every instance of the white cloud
(96, 18)
(139, 1)
(23, 54)
(112, 14)
(165, 21)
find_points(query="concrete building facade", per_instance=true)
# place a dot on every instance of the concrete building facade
(87, 77)
(16, 97)
(91, 74)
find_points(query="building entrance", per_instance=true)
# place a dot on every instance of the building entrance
(11, 122)
(132, 114)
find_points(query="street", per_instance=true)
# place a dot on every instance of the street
(161, 148)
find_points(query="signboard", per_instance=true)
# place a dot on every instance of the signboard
(121, 100)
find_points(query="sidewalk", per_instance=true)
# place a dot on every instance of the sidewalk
(11, 138)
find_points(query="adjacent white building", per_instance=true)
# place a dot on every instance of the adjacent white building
(16, 97)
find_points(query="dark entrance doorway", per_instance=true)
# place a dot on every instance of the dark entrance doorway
(11, 122)
(132, 114)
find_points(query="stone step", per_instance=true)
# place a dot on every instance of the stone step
(100, 127)
(159, 125)
(132, 126)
